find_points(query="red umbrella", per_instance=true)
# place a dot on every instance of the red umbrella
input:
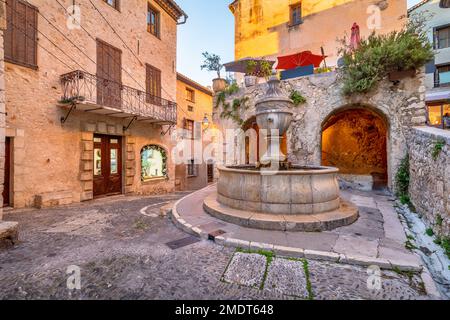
(301, 59)
(356, 37)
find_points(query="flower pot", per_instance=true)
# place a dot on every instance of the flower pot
(250, 81)
(219, 85)
(399, 75)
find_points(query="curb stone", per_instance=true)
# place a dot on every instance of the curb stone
(291, 252)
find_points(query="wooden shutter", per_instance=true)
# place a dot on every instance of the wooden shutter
(21, 33)
(153, 84)
(109, 75)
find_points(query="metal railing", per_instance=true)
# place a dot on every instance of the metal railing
(81, 86)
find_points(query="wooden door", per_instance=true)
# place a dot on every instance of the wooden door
(109, 75)
(6, 184)
(210, 172)
(107, 165)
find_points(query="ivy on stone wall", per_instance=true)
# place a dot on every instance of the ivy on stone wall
(437, 149)
(402, 180)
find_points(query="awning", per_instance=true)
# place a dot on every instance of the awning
(301, 59)
(437, 96)
(240, 66)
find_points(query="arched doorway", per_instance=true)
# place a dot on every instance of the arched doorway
(355, 141)
(260, 149)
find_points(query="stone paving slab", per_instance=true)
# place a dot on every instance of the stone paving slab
(246, 269)
(358, 243)
(286, 277)
(333, 281)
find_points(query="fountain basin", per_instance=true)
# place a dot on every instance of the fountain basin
(298, 191)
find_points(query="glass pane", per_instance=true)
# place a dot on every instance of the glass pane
(114, 141)
(114, 166)
(152, 164)
(444, 77)
(434, 115)
(98, 140)
(97, 162)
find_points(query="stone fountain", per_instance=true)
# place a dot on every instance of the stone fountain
(278, 195)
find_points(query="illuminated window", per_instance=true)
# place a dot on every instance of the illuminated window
(153, 21)
(153, 163)
(439, 115)
(296, 14)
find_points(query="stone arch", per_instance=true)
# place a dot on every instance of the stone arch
(355, 138)
(156, 169)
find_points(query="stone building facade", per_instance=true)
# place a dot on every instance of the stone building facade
(430, 177)
(92, 100)
(291, 26)
(194, 104)
(389, 113)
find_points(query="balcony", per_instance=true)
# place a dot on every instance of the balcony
(88, 93)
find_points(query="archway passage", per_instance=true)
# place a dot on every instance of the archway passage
(355, 141)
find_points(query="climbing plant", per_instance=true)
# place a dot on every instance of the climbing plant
(235, 110)
(402, 181)
(437, 149)
(297, 98)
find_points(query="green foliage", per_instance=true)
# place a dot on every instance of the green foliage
(323, 70)
(402, 181)
(212, 62)
(409, 245)
(429, 232)
(265, 69)
(297, 98)
(379, 55)
(437, 149)
(308, 280)
(439, 220)
(235, 110)
(250, 67)
(444, 242)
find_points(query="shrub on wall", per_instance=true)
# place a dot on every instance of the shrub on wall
(402, 181)
(379, 55)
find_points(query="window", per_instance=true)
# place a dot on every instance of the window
(443, 37)
(153, 21)
(190, 108)
(192, 168)
(189, 128)
(113, 3)
(21, 33)
(190, 95)
(442, 76)
(439, 115)
(153, 84)
(296, 14)
(153, 163)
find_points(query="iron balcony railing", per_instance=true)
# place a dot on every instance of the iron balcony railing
(83, 87)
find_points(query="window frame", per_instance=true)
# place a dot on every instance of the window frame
(14, 29)
(437, 82)
(190, 95)
(192, 169)
(165, 169)
(292, 9)
(153, 83)
(441, 105)
(437, 41)
(116, 4)
(151, 9)
(191, 130)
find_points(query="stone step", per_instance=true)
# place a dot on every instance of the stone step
(53, 199)
(8, 234)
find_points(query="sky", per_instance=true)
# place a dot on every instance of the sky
(210, 27)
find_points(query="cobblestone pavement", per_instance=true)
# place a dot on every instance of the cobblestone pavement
(120, 245)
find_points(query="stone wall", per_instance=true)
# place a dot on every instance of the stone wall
(400, 106)
(51, 160)
(430, 178)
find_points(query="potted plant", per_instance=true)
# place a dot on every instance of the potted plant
(250, 79)
(212, 63)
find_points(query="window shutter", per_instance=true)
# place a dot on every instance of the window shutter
(197, 130)
(21, 33)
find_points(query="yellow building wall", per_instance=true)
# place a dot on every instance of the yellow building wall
(202, 105)
(262, 27)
